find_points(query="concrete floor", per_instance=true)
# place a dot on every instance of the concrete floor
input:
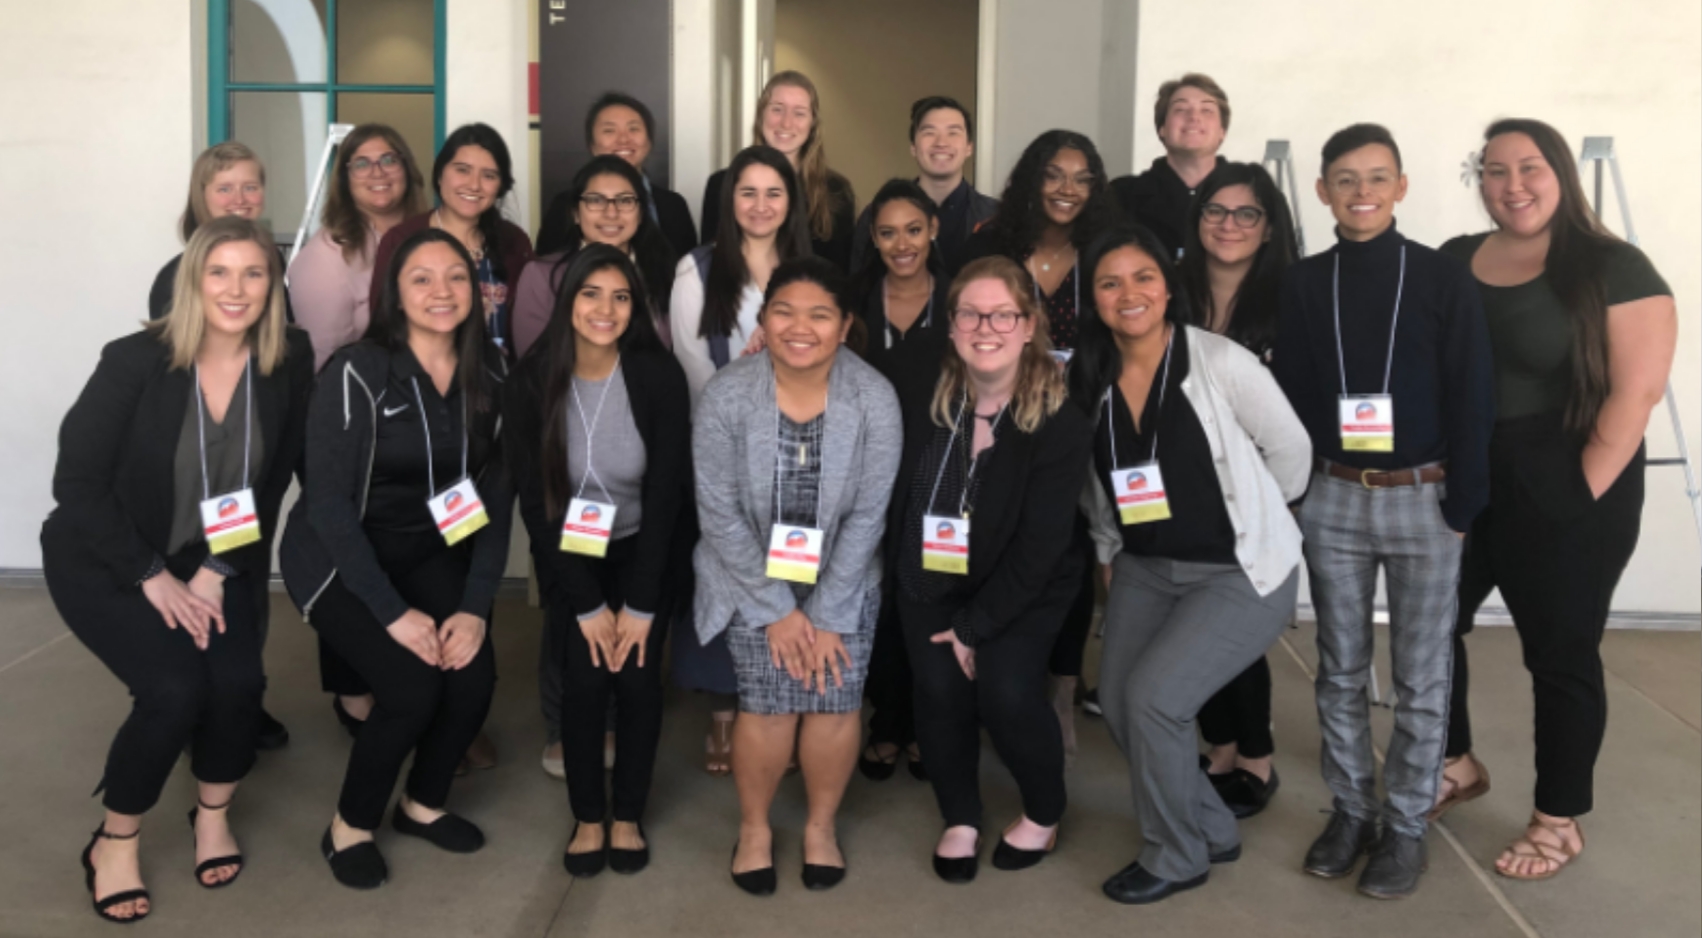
(58, 708)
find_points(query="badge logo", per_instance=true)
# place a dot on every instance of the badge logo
(227, 507)
(453, 501)
(946, 531)
(1135, 481)
(591, 513)
(796, 539)
(1365, 411)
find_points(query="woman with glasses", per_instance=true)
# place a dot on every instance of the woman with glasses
(1239, 238)
(979, 543)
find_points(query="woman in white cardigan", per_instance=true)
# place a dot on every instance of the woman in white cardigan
(1196, 457)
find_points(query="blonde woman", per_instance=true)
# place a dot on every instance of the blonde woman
(227, 179)
(172, 461)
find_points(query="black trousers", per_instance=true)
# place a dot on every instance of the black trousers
(1240, 713)
(1557, 553)
(418, 708)
(587, 690)
(1071, 645)
(180, 695)
(891, 685)
(1008, 697)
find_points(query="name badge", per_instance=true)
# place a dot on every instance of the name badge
(945, 544)
(230, 521)
(458, 511)
(1140, 494)
(1368, 423)
(588, 528)
(1062, 355)
(794, 554)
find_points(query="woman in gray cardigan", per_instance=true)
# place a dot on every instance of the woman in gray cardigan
(795, 451)
(1201, 454)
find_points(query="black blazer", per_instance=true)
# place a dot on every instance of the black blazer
(673, 216)
(1020, 540)
(661, 407)
(837, 248)
(115, 483)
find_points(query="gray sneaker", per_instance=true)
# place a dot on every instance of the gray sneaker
(1396, 863)
(1338, 849)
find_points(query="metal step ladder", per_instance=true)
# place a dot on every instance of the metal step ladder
(334, 137)
(1279, 162)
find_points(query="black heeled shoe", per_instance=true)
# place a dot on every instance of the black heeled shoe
(817, 876)
(877, 769)
(1009, 857)
(350, 721)
(118, 898)
(213, 864)
(272, 735)
(627, 862)
(359, 866)
(588, 864)
(761, 882)
(450, 832)
(959, 869)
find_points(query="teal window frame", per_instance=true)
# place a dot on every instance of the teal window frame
(220, 87)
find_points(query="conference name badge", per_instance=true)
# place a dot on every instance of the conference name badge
(1140, 494)
(458, 511)
(945, 544)
(1368, 423)
(794, 554)
(230, 521)
(588, 528)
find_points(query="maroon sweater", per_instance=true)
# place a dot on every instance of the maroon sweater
(508, 259)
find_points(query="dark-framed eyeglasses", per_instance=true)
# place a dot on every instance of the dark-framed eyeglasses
(361, 166)
(1247, 216)
(622, 204)
(1002, 321)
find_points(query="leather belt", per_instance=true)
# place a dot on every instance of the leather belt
(1383, 478)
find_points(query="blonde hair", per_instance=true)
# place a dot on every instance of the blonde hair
(212, 161)
(1040, 389)
(185, 323)
(812, 156)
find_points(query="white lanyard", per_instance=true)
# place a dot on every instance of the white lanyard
(1163, 381)
(927, 312)
(431, 472)
(1336, 300)
(247, 426)
(591, 430)
(973, 463)
(803, 460)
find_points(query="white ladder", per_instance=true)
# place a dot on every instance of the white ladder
(1279, 162)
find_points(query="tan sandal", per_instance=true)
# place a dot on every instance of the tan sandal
(1461, 794)
(718, 745)
(1559, 855)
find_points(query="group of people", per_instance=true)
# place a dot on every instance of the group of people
(817, 459)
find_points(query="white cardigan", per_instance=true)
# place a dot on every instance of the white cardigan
(1260, 449)
(685, 314)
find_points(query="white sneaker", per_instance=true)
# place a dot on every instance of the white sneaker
(551, 761)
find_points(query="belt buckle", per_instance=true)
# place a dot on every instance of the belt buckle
(1365, 478)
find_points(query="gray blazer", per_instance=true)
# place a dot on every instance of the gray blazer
(733, 442)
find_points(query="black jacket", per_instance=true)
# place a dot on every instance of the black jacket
(1020, 540)
(115, 484)
(325, 537)
(661, 407)
(673, 216)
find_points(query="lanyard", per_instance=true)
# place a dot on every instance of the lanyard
(803, 460)
(927, 313)
(591, 430)
(1336, 299)
(970, 464)
(425, 429)
(247, 426)
(1163, 382)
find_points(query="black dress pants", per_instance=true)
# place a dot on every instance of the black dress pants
(180, 694)
(1240, 713)
(418, 708)
(1557, 553)
(1071, 645)
(587, 690)
(891, 685)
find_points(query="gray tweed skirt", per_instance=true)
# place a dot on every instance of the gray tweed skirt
(769, 691)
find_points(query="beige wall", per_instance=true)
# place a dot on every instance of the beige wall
(869, 71)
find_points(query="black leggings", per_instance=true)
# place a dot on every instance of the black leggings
(1071, 645)
(418, 708)
(1240, 713)
(891, 686)
(586, 691)
(1556, 553)
(180, 695)
(1008, 697)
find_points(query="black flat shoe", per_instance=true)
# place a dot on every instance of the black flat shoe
(959, 869)
(272, 735)
(216, 862)
(1007, 857)
(876, 769)
(761, 882)
(101, 906)
(628, 862)
(1246, 794)
(358, 867)
(449, 832)
(822, 877)
(349, 721)
(1133, 885)
(588, 864)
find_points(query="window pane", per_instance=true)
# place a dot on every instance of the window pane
(385, 42)
(411, 115)
(287, 129)
(277, 40)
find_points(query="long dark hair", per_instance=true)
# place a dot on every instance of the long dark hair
(485, 138)
(389, 325)
(547, 370)
(1253, 318)
(1021, 217)
(827, 275)
(650, 248)
(869, 278)
(1098, 362)
(342, 217)
(727, 269)
(1578, 247)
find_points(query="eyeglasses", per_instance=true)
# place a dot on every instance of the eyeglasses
(622, 204)
(1002, 321)
(1055, 179)
(361, 166)
(1247, 216)
(1348, 183)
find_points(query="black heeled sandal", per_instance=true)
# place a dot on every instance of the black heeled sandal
(118, 898)
(201, 869)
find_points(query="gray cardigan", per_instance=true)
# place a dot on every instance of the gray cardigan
(733, 442)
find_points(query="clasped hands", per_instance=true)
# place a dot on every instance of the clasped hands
(450, 648)
(807, 653)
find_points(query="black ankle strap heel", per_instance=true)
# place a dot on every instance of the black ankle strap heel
(101, 906)
(201, 869)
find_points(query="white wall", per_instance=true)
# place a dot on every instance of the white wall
(1436, 74)
(489, 46)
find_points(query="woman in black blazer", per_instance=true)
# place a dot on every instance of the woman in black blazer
(599, 423)
(979, 543)
(171, 463)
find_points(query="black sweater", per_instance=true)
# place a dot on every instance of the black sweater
(1441, 381)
